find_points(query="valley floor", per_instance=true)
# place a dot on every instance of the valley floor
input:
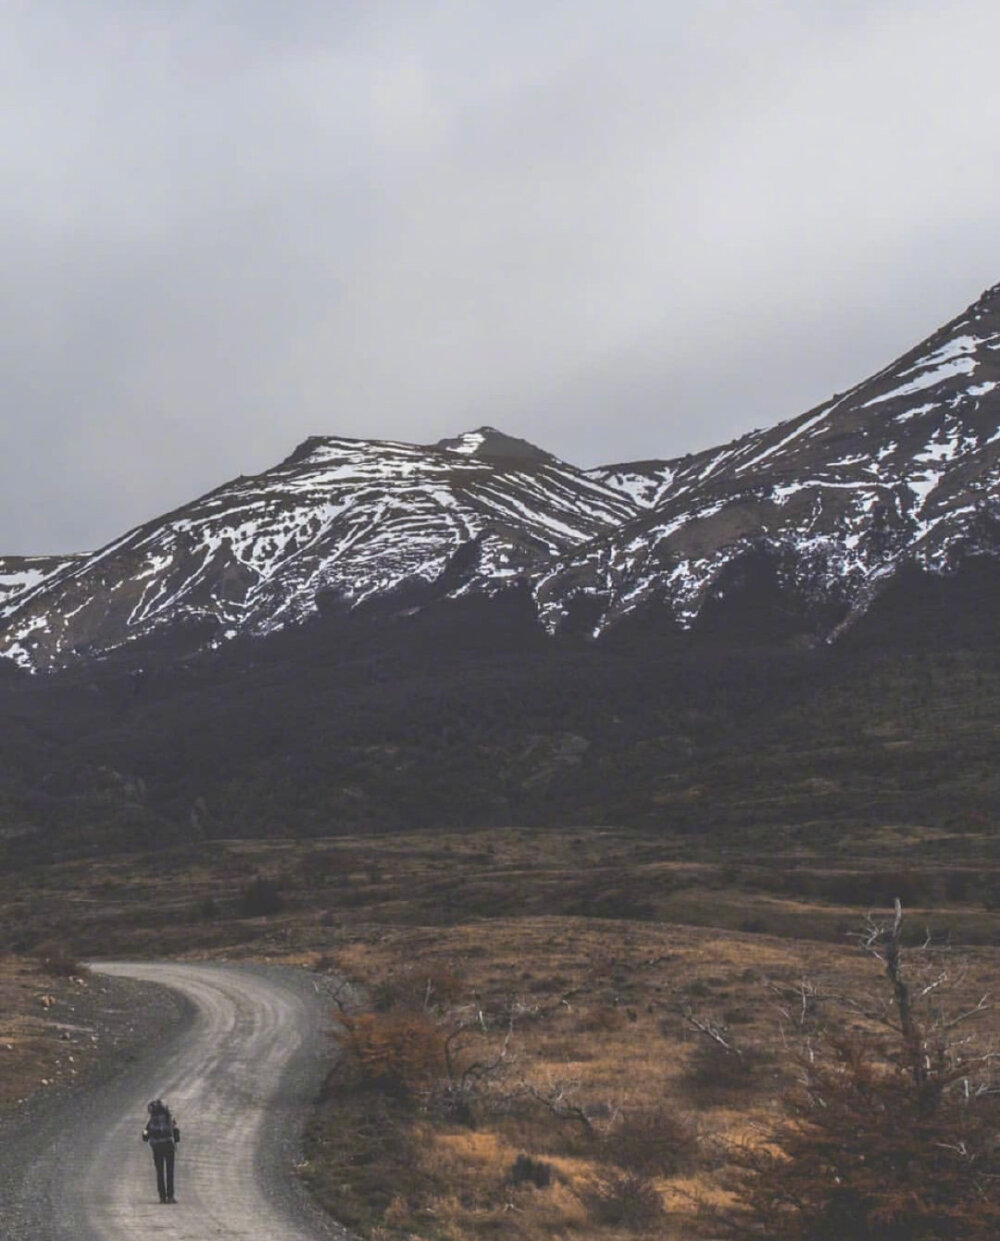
(528, 1047)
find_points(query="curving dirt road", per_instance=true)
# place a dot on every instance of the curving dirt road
(238, 1075)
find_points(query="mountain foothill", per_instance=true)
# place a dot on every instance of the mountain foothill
(792, 633)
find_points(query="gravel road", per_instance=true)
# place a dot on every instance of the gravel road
(239, 1068)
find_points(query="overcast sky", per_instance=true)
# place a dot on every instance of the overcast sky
(621, 229)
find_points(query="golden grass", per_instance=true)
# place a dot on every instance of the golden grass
(482, 1201)
(613, 1037)
(599, 1002)
(184, 903)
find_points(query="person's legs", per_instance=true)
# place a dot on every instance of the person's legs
(159, 1158)
(169, 1158)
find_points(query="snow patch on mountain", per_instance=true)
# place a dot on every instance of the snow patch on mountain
(349, 520)
(21, 575)
(836, 500)
(644, 484)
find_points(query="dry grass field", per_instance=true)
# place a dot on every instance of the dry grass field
(590, 1070)
(529, 1049)
(584, 1056)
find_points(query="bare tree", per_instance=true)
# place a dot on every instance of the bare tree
(892, 1132)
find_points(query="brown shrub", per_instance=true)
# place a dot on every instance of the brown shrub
(866, 1152)
(625, 1200)
(716, 1075)
(428, 989)
(398, 1052)
(525, 1170)
(890, 1133)
(652, 1141)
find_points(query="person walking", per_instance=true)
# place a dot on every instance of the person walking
(162, 1134)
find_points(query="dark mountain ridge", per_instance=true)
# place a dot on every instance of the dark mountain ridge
(903, 469)
(797, 635)
(340, 522)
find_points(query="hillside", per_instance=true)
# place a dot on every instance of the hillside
(794, 634)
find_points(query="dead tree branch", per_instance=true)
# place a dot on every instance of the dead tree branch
(557, 1105)
(717, 1033)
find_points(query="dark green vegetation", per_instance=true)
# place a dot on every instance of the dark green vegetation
(468, 716)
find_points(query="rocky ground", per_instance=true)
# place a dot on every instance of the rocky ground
(60, 1032)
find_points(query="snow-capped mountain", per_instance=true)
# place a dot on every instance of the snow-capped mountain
(342, 521)
(903, 469)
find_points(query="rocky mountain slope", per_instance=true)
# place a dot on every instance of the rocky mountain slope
(339, 523)
(818, 513)
(902, 469)
(21, 575)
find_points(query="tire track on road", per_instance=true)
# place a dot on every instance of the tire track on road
(238, 1078)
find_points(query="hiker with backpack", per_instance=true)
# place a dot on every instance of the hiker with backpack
(162, 1134)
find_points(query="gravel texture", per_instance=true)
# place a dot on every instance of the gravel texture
(239, 1051)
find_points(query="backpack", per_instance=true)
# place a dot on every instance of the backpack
(161, 1126)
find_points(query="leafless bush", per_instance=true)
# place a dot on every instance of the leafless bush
(890, 1133)
(652, 1141)
(422, 990)
(715, 1074)
(455, 1103)
(625, 1200)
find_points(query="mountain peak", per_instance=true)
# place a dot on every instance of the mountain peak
(488, 442)
(901, 470)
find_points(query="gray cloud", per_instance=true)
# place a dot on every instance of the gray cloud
(623, 231)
